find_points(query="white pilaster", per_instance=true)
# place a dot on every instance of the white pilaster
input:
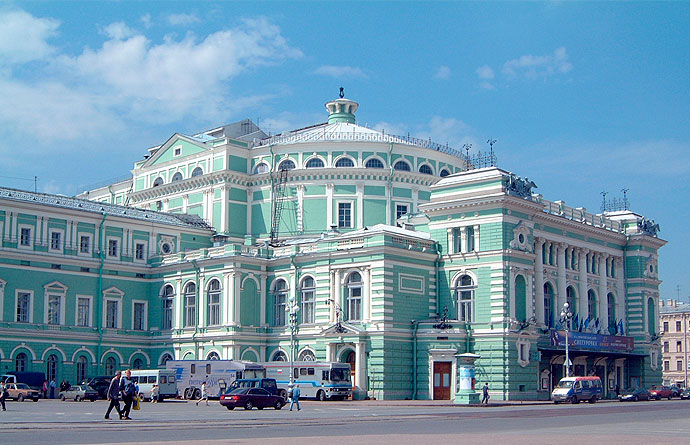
(603, 299)
(263, 295)
(583, 307)
(329, 205)
(360, 206)
(620, 294)
(179, 305)
(539, 281)
(561, 277)
(360, 363)
(476, 238)
(366, 294)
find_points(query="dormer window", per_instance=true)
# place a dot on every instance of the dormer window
(402, 166)
(177, 177)
(344, 163)
(177, 151)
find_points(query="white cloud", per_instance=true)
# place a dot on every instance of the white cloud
(289, 121)
(485, 72)
(118, 31)
(146, 20)
(442, 73)
(392, 128)
(533, 67)
(23, 37)
(442, 130)
(340, 71)
(183, 19)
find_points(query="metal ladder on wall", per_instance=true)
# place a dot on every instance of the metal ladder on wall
(278, 194)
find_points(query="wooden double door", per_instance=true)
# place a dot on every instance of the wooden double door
(442, 373)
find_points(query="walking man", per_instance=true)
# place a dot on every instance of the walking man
(204, 394)
(52, 388)
(114, 395)
(485, 394)
(294, 398)
(3, 394)
(129, 392)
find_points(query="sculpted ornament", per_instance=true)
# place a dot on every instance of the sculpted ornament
(648, 227)
(517, 186)
(520, 238)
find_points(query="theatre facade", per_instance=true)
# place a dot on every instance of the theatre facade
(400, 254)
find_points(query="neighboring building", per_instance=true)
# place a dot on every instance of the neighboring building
(399, 253)
(674, 318)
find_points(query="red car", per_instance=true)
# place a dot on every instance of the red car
(661, 392)
(250, 398)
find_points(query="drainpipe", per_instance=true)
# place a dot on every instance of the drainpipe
(437, 264)
(198, 306)
(99, 297)
(273, 203)
(390, 182)
(415, 326)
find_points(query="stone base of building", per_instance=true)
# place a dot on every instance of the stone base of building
(465, 397)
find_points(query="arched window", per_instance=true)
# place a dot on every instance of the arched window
(110, 365)
(280, 292)
(279, 356)
(177, 177)
(592, 304)
(549, 304)
(425, 170)
(444, 173)
(137, 364)
(307, 356)
(167, 302)
(286, 165)
(520, 298)
(374, 163)
(51, 367)
(20, 362)
(464, 297)
(81, 368)
(651, 317)
(158, 181)
(213, 355)
(197, 172)
(307, 300)
(190, 305)
(611, 304)
(261, 167)
(571, 298)
(354, 297)
(402, 166)
(165, 359)
(213, 303)
(314, 163)
(344, 163)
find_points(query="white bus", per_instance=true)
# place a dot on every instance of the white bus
(319, 380)
(218, 375)
(164, 378)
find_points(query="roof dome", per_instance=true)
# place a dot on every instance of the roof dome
(341, 109)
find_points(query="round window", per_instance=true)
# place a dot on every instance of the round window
(521, 238)
(651, 268)
(166, 248)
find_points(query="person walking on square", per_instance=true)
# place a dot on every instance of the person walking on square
(294, 397)
(485, 394)
(52, 388)
(114, 395)
(3, 394)
(154, 394)
(129, 392)
(204, 394)
(45, 389)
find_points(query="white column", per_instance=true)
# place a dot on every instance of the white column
(237, 310)
(329, 205)
(230, 298)
(337, 294)
(300, 207)
(561, 277)
(583, 308)
(463, 240)
(476, 238)
(451, 240)
(250, 205)
(263, 295)
(185, 201)
(511, 294)
(360, 375)
(603, 300)
(201, 302)
(360, 206)
(224, 226)
(179, 305)
(620, 294)
(539, 281)
(529, 293)
(415, 199)
(329, 352)
(366, 291)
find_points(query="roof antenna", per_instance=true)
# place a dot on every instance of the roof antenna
(342, 92)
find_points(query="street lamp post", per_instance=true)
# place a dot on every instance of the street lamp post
(566, 315)
(292, 309)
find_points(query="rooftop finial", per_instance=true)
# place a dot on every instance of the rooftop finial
(342, 92)
(341, 109)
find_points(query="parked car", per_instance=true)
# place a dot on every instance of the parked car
(685, 394)
(676, 390)
(251, 397)
(100, 384)
(577, 389)
(634, 395)
(21, 392)
(79, 393)
(661, 392)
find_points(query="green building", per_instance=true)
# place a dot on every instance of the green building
(399, 254)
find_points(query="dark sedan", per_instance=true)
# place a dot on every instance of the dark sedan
(79, 393)
(634, 395)
(250, 398)
(685, 394)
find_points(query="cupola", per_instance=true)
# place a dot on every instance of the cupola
(341, 109)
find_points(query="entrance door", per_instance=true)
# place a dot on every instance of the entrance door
(350, 358)
(442, 380)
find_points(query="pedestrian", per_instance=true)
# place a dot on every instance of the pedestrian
(63, 385)
(485, 394)
(45, 388)
(3, 394)
(618, 390)
(204, 394)
(154, 393)
(294, 397)
(52, 388)
(129, 392)
(114, 395)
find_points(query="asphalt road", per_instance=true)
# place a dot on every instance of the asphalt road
(55, 422)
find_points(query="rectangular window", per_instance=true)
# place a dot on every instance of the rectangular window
(84, 244)
(679, 346)
(139, 251)
(54, 309)
(23, 307)
(55, 240)
(666, 365)
(111, 314)
(112, 247)
(470, 238)
(679, 328)
(400, 210)
(139, 314)
(666, 347)
(167, 313)
(666, 326)
(679, 365)
(25, 237)
(344, 214)
(83, 311)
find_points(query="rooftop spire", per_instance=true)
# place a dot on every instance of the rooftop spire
(341, 110)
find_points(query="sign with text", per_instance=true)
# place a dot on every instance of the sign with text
(594, 342)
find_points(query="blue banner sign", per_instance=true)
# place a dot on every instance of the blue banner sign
(595, 342)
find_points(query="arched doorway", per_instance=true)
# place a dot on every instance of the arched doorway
(348, 356)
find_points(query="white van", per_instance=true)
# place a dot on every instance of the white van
(164, 378)
(218, 375)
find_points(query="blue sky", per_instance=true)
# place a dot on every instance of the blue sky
(581, 97)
